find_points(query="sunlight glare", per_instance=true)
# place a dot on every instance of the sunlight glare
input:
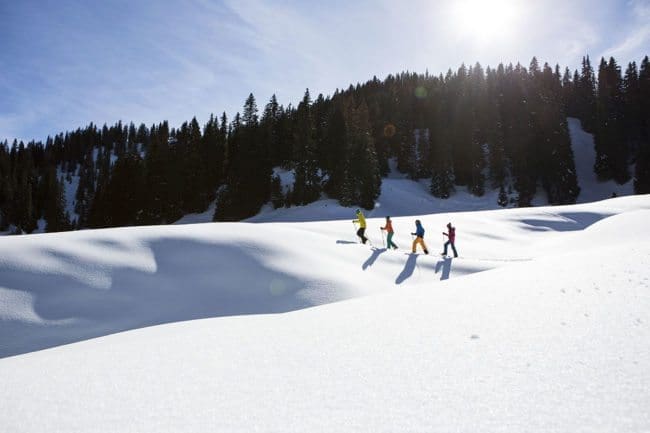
(485, 18)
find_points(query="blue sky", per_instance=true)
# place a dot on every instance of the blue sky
(66, 63)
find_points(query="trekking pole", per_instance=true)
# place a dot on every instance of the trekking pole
(355, 227)
(383, 243)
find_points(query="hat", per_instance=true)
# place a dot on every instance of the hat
(448, 224)
(387, 217)
(357, 211)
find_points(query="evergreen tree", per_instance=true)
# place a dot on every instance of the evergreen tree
(212, 153)
(442, 180)
(56, 217)
(197, 189)
(363, 175)
(497, 161)
(336, 157)
(307, 186)
(503, 197)
(585, 92)
(248, 178)
(611, 149)
(277, 196)
(125, 190)
(6, 187)
(642, 165)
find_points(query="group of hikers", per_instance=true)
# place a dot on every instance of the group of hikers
(419, 234)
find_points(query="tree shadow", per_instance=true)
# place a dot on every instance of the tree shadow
(371, 260)
(444, 265)
(409, 267)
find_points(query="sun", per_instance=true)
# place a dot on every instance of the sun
(485, 19)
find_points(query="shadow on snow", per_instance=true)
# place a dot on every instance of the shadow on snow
(191, 280)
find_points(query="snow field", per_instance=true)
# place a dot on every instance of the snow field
(541, 325)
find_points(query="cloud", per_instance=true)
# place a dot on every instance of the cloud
(634, 44)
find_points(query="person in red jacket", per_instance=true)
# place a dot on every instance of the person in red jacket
(452, 240)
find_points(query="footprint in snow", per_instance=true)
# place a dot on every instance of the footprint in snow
(474, 337)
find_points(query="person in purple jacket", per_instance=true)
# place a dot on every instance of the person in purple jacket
(451, 235)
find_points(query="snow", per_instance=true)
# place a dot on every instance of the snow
(585, 158)
(71, 184)
(197, 218)
(287, 178)
(542, 325)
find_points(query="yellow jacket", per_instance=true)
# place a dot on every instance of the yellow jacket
(361, 220)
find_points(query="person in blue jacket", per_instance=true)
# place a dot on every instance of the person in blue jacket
(419, 237)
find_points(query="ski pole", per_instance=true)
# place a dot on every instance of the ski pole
(383, 243)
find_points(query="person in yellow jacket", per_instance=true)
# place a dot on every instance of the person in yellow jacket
(361, 220)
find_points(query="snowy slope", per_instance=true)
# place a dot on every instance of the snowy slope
(585, 158)
(552, 336)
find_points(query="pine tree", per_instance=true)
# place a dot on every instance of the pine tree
(585, 91)
(642, 165)
(632, 107)
(6, 191)
(497, 161)
(307, 186)
(277, 196)
(125, 190)
(442, 180)
(363, 174)
(248, 169)
(503, 197)
(213, 154)
(53, 190)
(197, 189)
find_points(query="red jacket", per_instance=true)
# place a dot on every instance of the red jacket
(389, 227)
(452, 234)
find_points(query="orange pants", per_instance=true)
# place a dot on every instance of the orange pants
(419, 240)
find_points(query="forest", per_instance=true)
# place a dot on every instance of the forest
(477, 128)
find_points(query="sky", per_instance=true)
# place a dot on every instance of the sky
(66, 63)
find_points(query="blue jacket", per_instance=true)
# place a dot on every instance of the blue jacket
(419, 230)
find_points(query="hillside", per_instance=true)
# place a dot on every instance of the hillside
(541, 325)
(401, 196)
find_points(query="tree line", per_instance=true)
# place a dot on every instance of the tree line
(499, 128)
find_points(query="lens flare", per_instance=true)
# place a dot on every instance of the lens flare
(389, 130)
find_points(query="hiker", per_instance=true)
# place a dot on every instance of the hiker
(361, 220)
(452, 239)
(419, 237)
(389, 230)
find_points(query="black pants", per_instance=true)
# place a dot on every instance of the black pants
(453, 247)
(360, 233)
